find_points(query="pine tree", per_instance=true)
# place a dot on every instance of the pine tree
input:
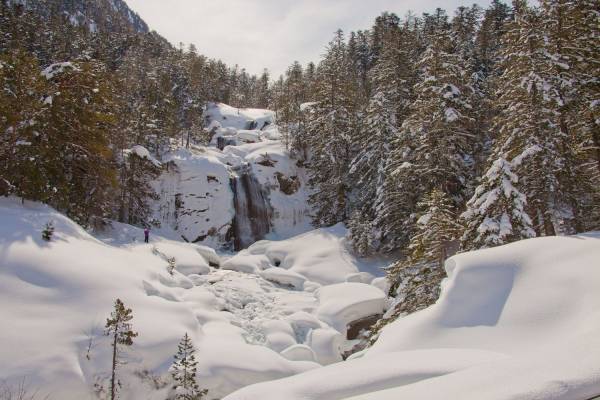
(23, 145)
(528, 135)
(416, 279)
(395, 76)
(119, 329)
(48, 231)
(136, 191)
(183, 371)
(330, 135)
(440, 121)
(78, 129)
(496, 213)
(568, 34)
(437, 227)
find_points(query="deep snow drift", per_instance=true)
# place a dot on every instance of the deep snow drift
(520, 321)
(55, 296)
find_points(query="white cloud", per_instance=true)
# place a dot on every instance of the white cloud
(257, 34)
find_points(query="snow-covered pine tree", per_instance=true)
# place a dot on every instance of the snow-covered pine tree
(118, 328)
(377, 129)
(79, 126)
(436, 228)
(416, 279)
(496, 213)
(440, 121)
(331, 133)
(394, 76)
(528, 135)
(360, 233)
(486, 57)
(48, 231)
(183, 371)
(23, 145)
(566, 26)
(136, 174)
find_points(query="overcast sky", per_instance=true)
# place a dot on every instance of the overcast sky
(257, 34)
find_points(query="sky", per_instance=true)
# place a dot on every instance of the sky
(258, 34)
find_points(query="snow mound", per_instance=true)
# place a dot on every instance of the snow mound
(343, 303)
(321, 256)
(143, 152)
(283, 277)
(514, 322)
(237, 118)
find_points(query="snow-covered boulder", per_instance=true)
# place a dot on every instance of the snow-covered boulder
(299, 352)
(187, 260)
(248, 263)
(326, 344)
(343, 303)
(283, 277)
(360, 277)
(321, 256)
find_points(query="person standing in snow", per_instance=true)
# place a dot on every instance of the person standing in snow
(146, 234)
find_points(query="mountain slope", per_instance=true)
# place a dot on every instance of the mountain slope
(103, 15)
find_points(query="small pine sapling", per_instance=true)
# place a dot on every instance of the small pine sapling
(171, 266)
(119, 329)
(183, 371)
(48, 231)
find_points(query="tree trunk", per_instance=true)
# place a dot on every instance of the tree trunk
(113, 390)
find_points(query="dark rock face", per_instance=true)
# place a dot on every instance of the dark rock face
(354, 328)
(252, 219)
(287, 185)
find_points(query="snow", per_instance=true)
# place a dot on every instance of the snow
(58, 68)
(283, 277)
(67, 287)
(519, 321)
(237, 117)
(320, 256)
(142, 152)
(196, 197)
(346, 302)
(246, 327)
(299, 352)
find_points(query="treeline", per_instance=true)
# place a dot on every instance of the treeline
(82, 83)
(433, 132)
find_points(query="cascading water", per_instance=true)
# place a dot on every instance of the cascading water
(252, 219)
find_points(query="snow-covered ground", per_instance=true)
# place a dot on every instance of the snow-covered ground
(247, 327)
(520, 321)
(271, 322)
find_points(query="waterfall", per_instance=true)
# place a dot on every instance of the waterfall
(252, 219)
